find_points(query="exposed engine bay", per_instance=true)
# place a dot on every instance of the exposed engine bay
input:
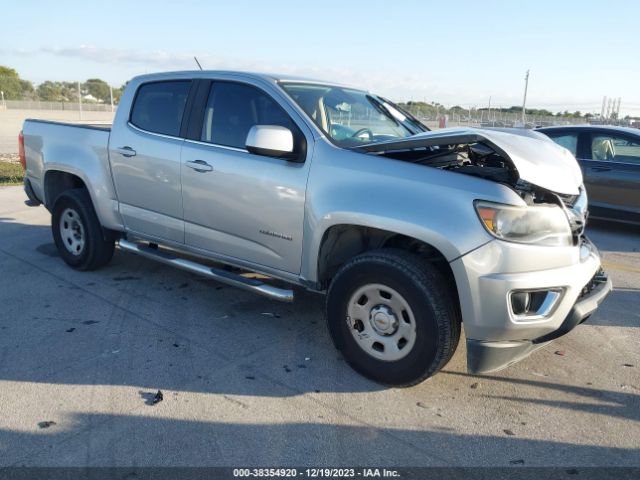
(472, 153)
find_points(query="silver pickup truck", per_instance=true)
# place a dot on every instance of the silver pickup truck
(410, 233)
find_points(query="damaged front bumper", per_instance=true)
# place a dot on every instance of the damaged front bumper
(488, 356)
(496, 335)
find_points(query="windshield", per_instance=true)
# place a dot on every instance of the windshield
(352, 117)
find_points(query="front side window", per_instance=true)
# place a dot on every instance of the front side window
(567, 140)
(352, 117)
(159, 106)
(615, 148)
(233, 108)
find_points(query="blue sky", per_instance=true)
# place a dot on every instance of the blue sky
(446, 51)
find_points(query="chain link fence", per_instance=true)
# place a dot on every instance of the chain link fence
(497, 118)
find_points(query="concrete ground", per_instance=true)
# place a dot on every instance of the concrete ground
(250, 382)
(11, 122)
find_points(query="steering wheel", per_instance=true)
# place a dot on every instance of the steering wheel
(361, 131)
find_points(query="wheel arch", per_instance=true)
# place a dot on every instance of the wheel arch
(344, 241)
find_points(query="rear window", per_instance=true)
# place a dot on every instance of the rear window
(158, 106)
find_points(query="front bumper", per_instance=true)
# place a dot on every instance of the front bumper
(487, 356)
(495, 337)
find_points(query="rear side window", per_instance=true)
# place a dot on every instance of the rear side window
(233, 108)
(158, 106)
(567, 140)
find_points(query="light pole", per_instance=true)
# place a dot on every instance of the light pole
(3, 105)
(524, 100)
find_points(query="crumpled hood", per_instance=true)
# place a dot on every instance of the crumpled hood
(538, 159)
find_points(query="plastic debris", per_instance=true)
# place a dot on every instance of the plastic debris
(559, 352)
(508, 431)
(46, 424)
(152, 399)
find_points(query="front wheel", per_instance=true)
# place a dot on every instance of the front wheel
(77, 232)
(392, 316)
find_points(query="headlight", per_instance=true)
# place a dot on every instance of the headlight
(540, 224)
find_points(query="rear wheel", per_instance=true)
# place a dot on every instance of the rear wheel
(392, 316)
(78, 235)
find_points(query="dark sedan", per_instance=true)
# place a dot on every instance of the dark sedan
(610, 162)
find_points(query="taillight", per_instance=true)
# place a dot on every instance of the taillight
(23, 158)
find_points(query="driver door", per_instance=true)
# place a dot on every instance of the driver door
(243, 206)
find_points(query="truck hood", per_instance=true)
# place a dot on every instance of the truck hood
(537, 159)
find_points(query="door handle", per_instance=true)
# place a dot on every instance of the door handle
(199, 166)
(126, 151)
(601, 169)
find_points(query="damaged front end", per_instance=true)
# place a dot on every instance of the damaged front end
(537, 169)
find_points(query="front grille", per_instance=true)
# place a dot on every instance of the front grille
(598, 279)
(577, 213)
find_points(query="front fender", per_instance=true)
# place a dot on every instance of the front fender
(431, 205)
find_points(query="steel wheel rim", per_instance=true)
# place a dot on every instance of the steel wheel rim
(72, 231)
(381, 322)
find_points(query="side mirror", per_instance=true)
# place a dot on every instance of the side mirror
(271, 141)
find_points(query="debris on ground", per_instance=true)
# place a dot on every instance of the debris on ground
(306, 359)
(69, 330)
(90, 322)
(250, 377)
(559, 352)
(176, 345)
(627, 365)
(508, 431)
(46, 424)
(302, 365)
(421, 405)
(286, 369)
(269, 314)
(151, 399)
(572, 471)
(475, 385)
(519, 461)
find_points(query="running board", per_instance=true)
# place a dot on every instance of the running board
(250, 284)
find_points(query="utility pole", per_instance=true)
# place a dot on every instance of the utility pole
(3, 104)
(79, 101)
(604, 103)
(111, 95)
(489, 112)
(524, 100)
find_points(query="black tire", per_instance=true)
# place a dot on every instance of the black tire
(425, 290)
(98, 246)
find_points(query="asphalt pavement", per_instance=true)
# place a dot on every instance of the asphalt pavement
(246, 381)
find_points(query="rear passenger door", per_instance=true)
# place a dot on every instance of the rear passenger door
(238, 205)
(145, 160)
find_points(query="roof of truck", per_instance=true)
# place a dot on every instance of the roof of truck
(270, 77)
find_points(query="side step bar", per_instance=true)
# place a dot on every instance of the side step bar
(217, 274)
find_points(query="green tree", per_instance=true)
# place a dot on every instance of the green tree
(50, 92)
(13, 86)
(98, 89)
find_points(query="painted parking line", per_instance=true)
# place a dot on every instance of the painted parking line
(620, 266)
